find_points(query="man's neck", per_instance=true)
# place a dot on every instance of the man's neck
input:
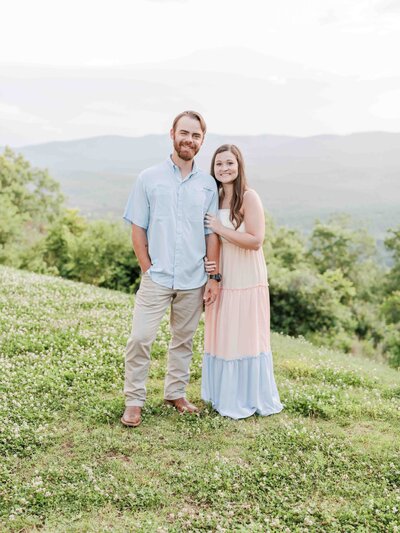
(184, 166)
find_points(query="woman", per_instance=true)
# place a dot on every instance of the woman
(238, 377)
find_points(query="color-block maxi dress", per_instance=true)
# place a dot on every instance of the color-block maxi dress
(238, 375)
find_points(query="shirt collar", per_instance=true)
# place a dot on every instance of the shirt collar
(174, 167)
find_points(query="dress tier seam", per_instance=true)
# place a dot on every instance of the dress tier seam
(260, 286)
(264, 355)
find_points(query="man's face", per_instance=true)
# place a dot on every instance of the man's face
(187, 137)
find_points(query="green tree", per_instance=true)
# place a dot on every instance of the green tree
(288, 248)
(304, 302)
(11, 225)
(30, 200)
(336, 245)
(392, 243)
(392, 345)
(391, 308)
(59, 241)
(99, 252)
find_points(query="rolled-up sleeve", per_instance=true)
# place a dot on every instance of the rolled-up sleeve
(213, 209)
(137, 208)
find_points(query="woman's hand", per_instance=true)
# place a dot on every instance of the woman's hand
(210, 266)
(213, 223)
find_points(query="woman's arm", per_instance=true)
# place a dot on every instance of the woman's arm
(254, 220)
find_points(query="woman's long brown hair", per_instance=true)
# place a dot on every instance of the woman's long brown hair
(239, 185)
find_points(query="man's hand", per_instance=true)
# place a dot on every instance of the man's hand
(141, 247)
(144, 267)
(211, 292)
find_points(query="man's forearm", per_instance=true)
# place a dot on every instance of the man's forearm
(212, 286)
(141, 247)
(212, 247)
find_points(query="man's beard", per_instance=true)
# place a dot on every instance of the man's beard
(186, 152)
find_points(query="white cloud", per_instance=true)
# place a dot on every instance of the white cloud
(387, 105)
(112, 108)
(19, 127)
(13, 113)
(388, 6)
(303, 64)
(334, 34)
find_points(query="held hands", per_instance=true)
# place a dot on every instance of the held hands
(211, 292)
(213, 223)
(212, 287)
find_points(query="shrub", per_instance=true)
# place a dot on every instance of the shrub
(303, 302)
(98, 252)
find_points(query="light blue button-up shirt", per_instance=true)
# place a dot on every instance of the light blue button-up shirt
(171, 210)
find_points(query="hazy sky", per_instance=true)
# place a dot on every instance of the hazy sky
(73, 68)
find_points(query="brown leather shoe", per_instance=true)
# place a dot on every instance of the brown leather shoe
(132, 416)
(182, 405)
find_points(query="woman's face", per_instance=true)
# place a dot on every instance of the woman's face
(226, 168)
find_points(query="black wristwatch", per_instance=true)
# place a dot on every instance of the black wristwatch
(217, 277)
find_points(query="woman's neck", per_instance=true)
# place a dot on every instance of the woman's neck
(227, 192)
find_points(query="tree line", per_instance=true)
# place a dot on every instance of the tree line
(330, 287)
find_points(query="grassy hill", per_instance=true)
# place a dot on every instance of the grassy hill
(328, 462)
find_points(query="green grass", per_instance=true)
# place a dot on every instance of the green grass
(328, 462)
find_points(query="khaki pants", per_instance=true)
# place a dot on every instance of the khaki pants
(152, 300)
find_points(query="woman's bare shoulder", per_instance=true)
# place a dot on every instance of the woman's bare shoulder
(251, 197)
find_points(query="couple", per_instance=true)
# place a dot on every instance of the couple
(179, 216)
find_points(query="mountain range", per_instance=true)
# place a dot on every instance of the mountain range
(298, 178)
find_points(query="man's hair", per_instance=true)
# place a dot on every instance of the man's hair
(191, 114)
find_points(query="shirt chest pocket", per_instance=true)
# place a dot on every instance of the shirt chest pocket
(198, 202)
(162, 201)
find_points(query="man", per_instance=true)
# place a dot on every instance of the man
(166, 209)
